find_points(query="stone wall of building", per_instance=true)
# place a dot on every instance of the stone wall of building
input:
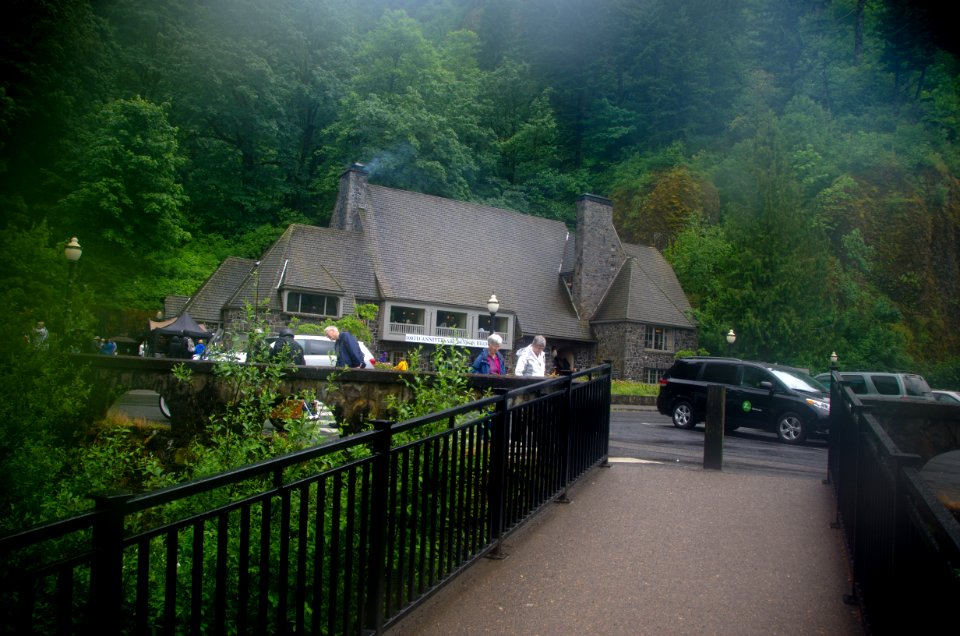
(623, 344)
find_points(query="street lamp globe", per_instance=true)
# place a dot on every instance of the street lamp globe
(72, 250)
(731, 337)
(833, 359)
(492, 306)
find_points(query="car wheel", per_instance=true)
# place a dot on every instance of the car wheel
(791, 429)
(164, 408)
(683, 415)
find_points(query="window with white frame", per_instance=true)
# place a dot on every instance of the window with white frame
(652, 376)
(658, 338)
(317, 304)
(483, 324)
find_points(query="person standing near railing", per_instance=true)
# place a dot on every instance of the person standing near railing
(490, 361)
(347, 348)
(530, 359)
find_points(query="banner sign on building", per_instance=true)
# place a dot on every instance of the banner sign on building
(441, 340)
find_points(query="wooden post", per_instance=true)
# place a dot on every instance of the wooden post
(713, 438)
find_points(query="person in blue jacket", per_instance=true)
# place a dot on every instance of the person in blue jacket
(347, 348)
(490, 361)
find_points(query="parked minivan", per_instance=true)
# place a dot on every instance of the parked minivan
(758, 395)
(905, 385)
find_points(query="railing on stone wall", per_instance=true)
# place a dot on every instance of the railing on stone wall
(342, 538)
(904, 544)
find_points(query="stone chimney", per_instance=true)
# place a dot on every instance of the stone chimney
(599, 253)
(351, 199)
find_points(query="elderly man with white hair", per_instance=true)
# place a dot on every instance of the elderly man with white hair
(346, 347)
(490, 361)
(530, 359)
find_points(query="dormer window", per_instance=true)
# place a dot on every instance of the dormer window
(314, 304)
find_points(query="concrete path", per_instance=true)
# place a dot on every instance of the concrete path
(661, 549)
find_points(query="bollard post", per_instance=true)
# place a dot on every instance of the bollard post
(713, 438)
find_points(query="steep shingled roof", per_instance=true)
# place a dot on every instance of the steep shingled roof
(206, 305)
(646, 290)
(313, 259)
(436, 250)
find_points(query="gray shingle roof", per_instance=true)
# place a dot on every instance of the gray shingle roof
(313, 259)
(441, 251)
(206, 305)
(646, 290)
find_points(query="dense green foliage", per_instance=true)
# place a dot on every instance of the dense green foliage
(796, 161)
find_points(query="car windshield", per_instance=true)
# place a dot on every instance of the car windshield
(799, 381)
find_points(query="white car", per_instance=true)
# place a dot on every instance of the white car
(318, 351)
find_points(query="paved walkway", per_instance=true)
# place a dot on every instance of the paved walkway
(661, 549)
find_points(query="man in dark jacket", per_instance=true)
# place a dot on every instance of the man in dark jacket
(347, 348)
(286, 348)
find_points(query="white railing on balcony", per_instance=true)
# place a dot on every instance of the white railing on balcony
(402, 328)
(452, 332)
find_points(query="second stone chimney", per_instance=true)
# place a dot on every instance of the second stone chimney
(599, 253)
(351, 199)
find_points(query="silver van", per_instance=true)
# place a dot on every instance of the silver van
(881, 383)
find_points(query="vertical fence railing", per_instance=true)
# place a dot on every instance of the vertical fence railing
(293, 545)
(903, 543)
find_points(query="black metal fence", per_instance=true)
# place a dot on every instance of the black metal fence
(903, 543)
(346, 537)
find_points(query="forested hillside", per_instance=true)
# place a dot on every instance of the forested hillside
(796, 160)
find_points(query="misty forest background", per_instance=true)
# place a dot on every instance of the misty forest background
(795, 160)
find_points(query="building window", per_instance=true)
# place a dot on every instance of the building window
(483, 325)
(658, 338)
(300, 303)
(652, 376)
(406, 320)
(451, 324)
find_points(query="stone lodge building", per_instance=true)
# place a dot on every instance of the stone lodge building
(430, 264)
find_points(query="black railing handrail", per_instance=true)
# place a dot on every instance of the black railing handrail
(903, 543)
(385, 528)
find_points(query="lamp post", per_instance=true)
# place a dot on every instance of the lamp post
(492, 306)
(72, 252)
(833, 360)
(731, 338)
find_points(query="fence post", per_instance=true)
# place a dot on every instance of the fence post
(106, 569)
(498, 468)
(713, 438)
(376, 576)
(607, 372)
(566, 434)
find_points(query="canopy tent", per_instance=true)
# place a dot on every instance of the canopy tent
(182, 325)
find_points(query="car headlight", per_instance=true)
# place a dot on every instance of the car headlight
(819, 404)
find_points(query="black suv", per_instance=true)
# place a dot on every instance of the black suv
(759, 395)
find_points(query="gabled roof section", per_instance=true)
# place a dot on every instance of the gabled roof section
(206, 305)
(318, 260)
(441, 251)
(645, 290)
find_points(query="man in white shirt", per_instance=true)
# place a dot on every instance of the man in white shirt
(530, 359)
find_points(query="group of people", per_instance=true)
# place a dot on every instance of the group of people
(531, 360)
